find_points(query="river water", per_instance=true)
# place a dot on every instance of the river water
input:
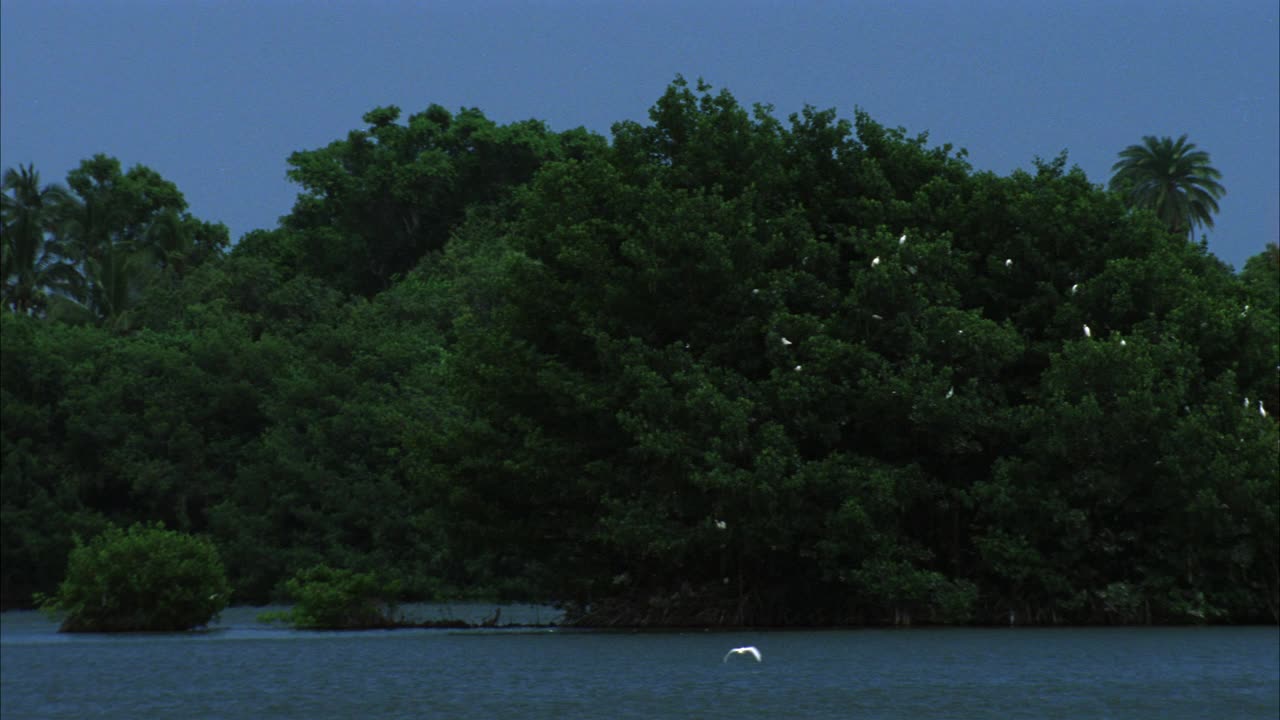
(246, 669)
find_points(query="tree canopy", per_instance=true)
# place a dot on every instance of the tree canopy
(141, 579)
(720, 368)
(1171, 178)
(88, 251)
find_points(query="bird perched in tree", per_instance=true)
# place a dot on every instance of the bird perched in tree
(902, 240)
(1008, 262)
(875, 261)
(1087, 332)
(785, 342)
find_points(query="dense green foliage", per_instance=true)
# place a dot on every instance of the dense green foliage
(143, 578)
(98, 246)
(330, 599)
(720, 369)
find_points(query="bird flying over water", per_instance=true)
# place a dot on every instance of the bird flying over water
(748, 650)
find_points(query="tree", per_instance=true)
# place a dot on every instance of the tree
(143, 578)
(122, 229)
(32, 259)
(1172, 179)
(723, 370)
(177, 242)
(40, 504)
(338, 599)
(375, 203)
(1259, 319)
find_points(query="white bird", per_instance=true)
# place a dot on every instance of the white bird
(1074, 288)
(785, 342)
(1087, 332)
(876, 317)
(950, 392)
(1122, 342)
(1008, 262)
(902, 240)
(875, 261)
(748, 650)
(1261, 410)
(1246, 401)
(798, 368)
(721, 525)
(755, 291)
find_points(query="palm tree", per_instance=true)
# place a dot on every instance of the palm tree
(31, 258)
(169, 240)
(115, 269)
(1171, 178)
(119, 275)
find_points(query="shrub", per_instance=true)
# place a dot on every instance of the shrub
(334, 599)
(145, 578)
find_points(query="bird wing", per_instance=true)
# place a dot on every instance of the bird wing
(749, 650)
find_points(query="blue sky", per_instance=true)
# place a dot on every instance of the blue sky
(215, 95)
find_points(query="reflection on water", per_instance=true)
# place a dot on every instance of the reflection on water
(242, 668)
(26, 627)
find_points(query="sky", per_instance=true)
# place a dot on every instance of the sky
(215, 95)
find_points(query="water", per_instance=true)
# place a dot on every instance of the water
(244, 669)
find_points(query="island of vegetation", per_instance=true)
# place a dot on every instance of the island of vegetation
(718, 369)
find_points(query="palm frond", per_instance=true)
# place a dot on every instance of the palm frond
(1172, 179)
